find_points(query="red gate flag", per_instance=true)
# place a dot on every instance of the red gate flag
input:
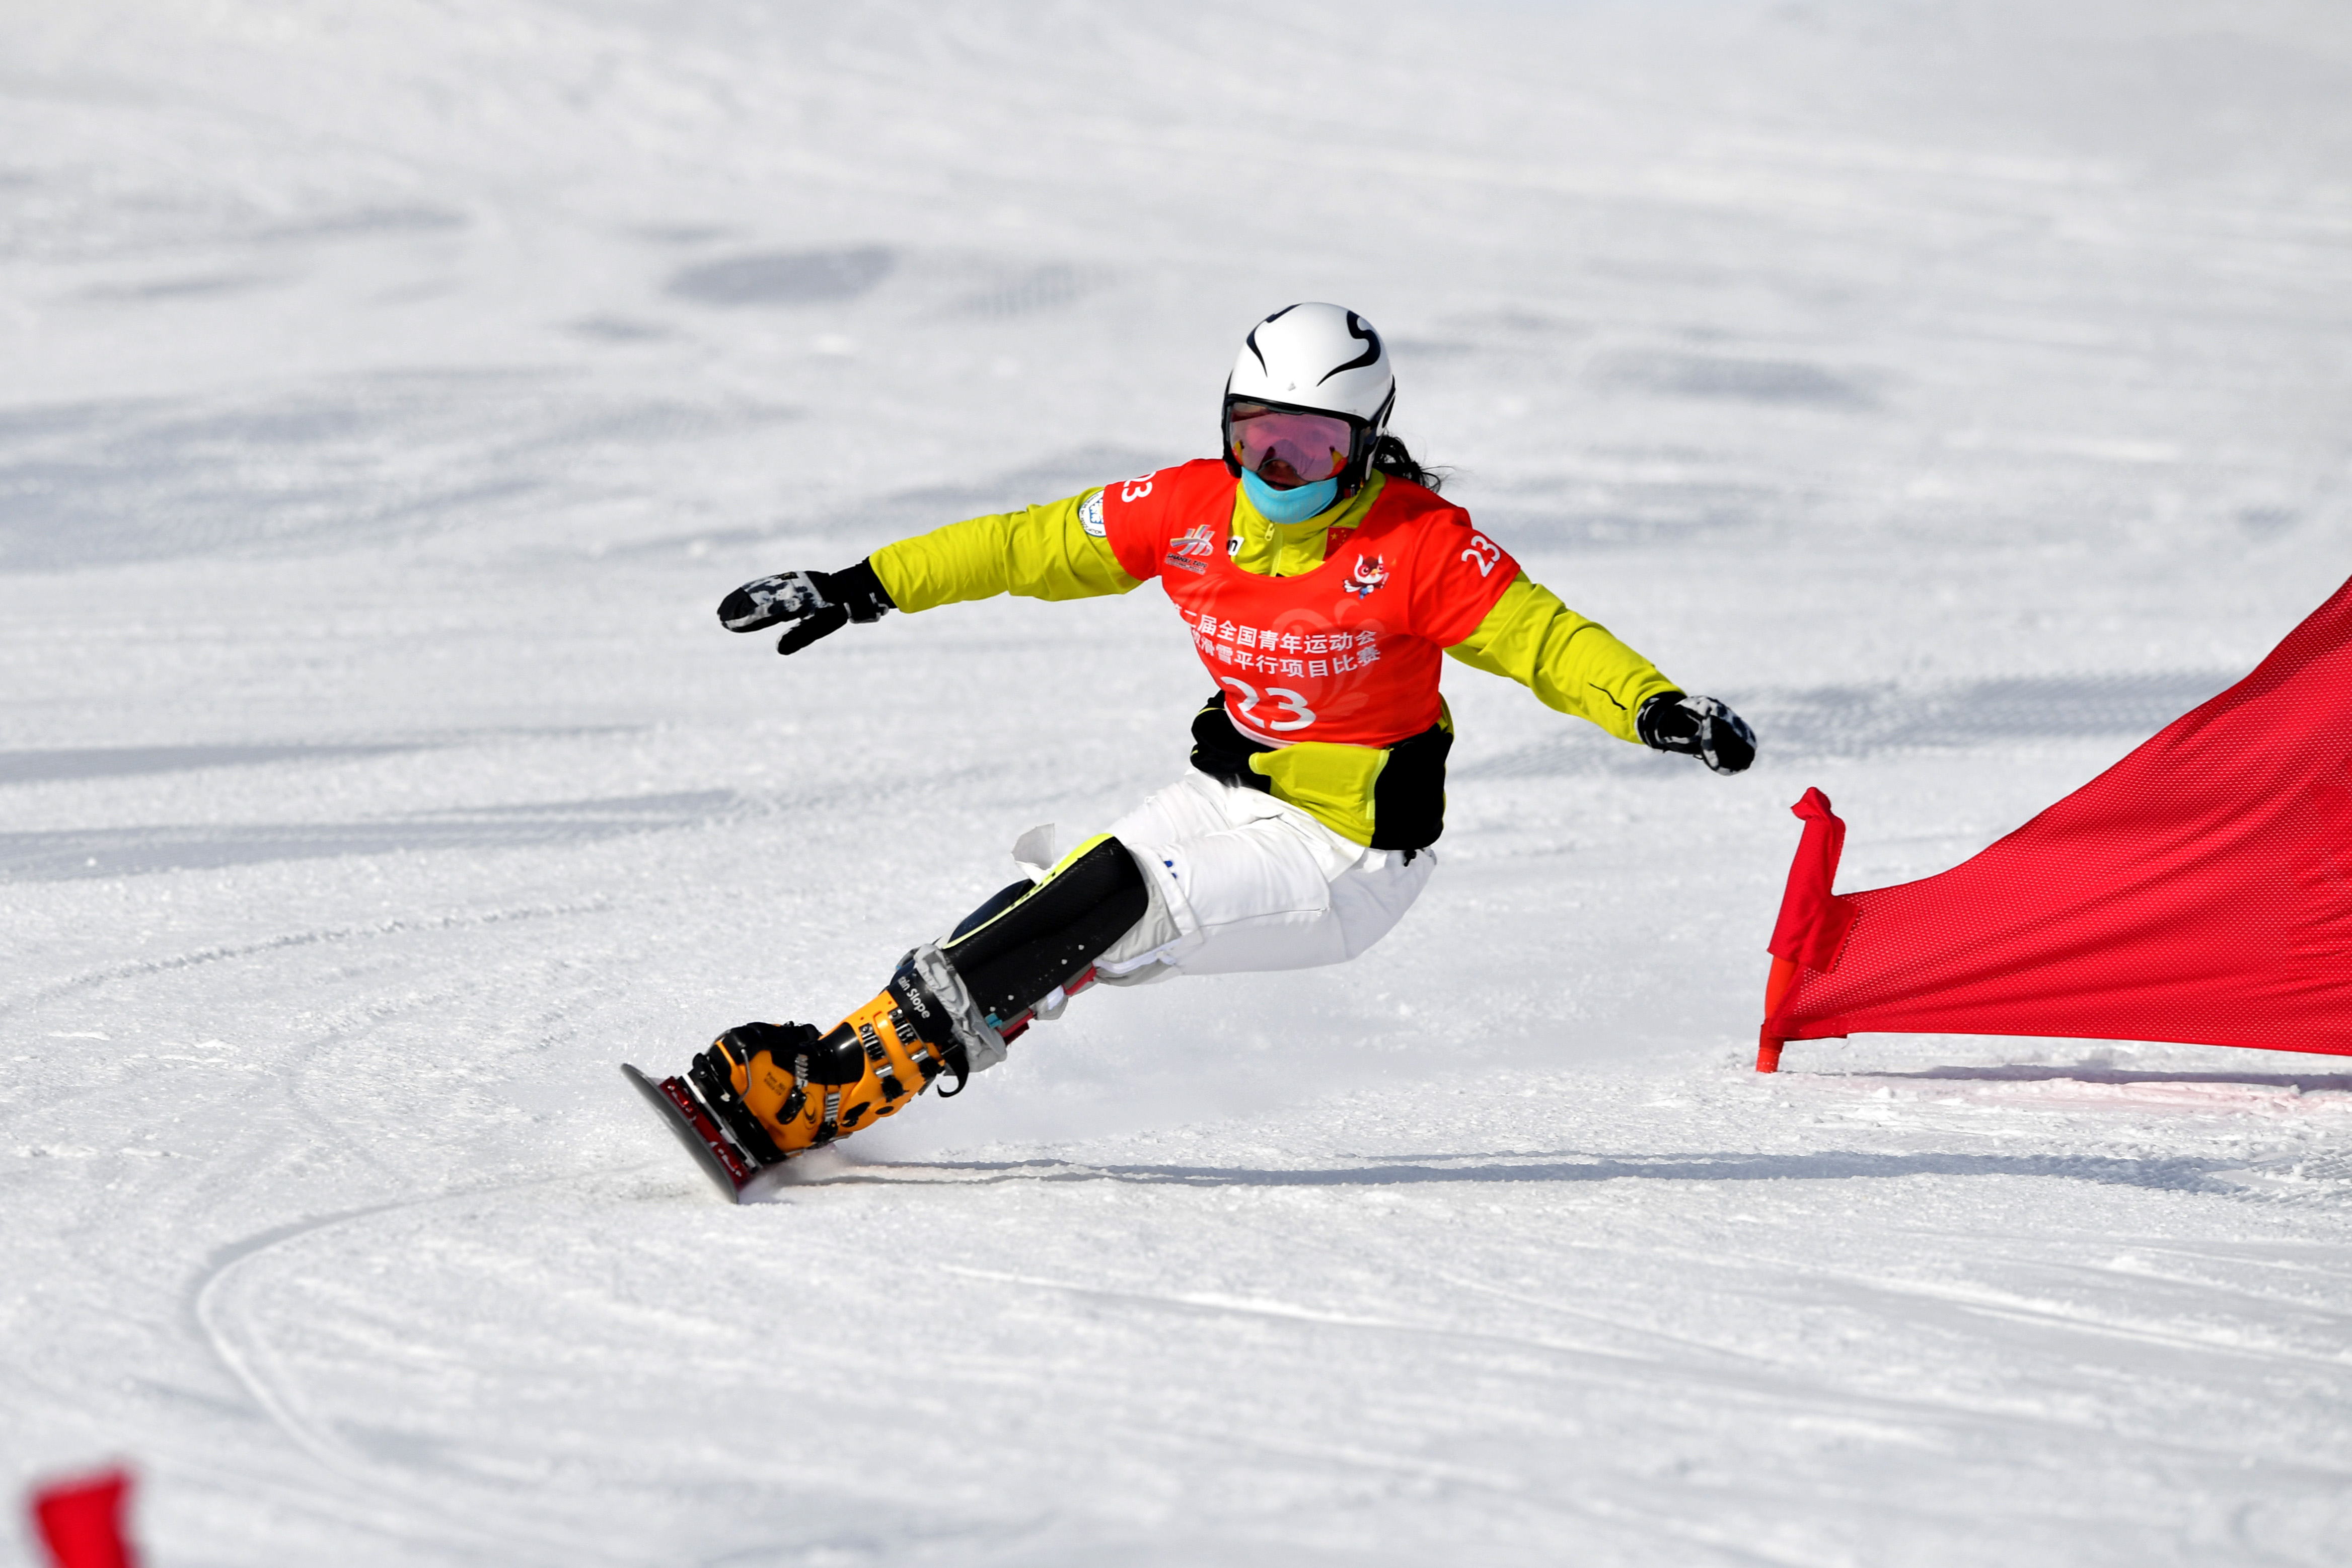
(81, 1521)
(2199, 890)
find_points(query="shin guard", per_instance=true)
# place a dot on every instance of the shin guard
(1047, 939)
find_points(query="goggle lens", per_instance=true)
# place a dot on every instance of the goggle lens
(1287, 449)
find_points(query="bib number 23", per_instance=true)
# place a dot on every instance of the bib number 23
(1294, 712)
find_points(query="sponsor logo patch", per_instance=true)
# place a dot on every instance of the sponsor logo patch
(1201, 543)
(1188, 550)
(1090, 514)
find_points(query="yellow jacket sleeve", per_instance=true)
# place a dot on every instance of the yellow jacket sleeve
(1043, 552)
(1570, 664)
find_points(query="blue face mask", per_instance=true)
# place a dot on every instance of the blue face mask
(1289, 506)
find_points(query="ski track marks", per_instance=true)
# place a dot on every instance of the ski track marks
(272, 945)
(430, 1516)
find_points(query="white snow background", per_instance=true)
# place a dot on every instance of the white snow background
(390, 389)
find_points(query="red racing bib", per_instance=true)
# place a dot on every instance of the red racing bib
(1347, 654)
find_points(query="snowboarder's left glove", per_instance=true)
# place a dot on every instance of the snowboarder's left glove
(818, 604)
(1697, 726)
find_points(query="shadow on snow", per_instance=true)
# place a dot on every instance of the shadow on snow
(2169, 1174)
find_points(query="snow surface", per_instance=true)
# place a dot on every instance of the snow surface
(393, 387)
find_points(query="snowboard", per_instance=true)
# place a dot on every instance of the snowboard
(736, 1173)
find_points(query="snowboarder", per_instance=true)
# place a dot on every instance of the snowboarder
(1319, 576)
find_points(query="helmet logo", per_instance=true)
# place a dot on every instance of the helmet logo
(1369, 573)
(1252, 339)
(1361, 330)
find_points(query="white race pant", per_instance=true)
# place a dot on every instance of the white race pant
(1241, 881)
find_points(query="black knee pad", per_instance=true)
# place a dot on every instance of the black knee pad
(1013, 959)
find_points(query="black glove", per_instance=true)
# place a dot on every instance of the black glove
(819, 603)
(1696, 727)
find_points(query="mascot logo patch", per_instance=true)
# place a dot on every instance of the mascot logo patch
(1369, 573)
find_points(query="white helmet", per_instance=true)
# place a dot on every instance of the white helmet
(1316, 359)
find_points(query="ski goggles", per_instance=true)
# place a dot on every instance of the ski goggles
(1287, 447)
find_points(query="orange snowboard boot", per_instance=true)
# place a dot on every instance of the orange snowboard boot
(783, 1088)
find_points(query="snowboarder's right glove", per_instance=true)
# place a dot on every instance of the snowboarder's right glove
(1697, 726)
(819, 603)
